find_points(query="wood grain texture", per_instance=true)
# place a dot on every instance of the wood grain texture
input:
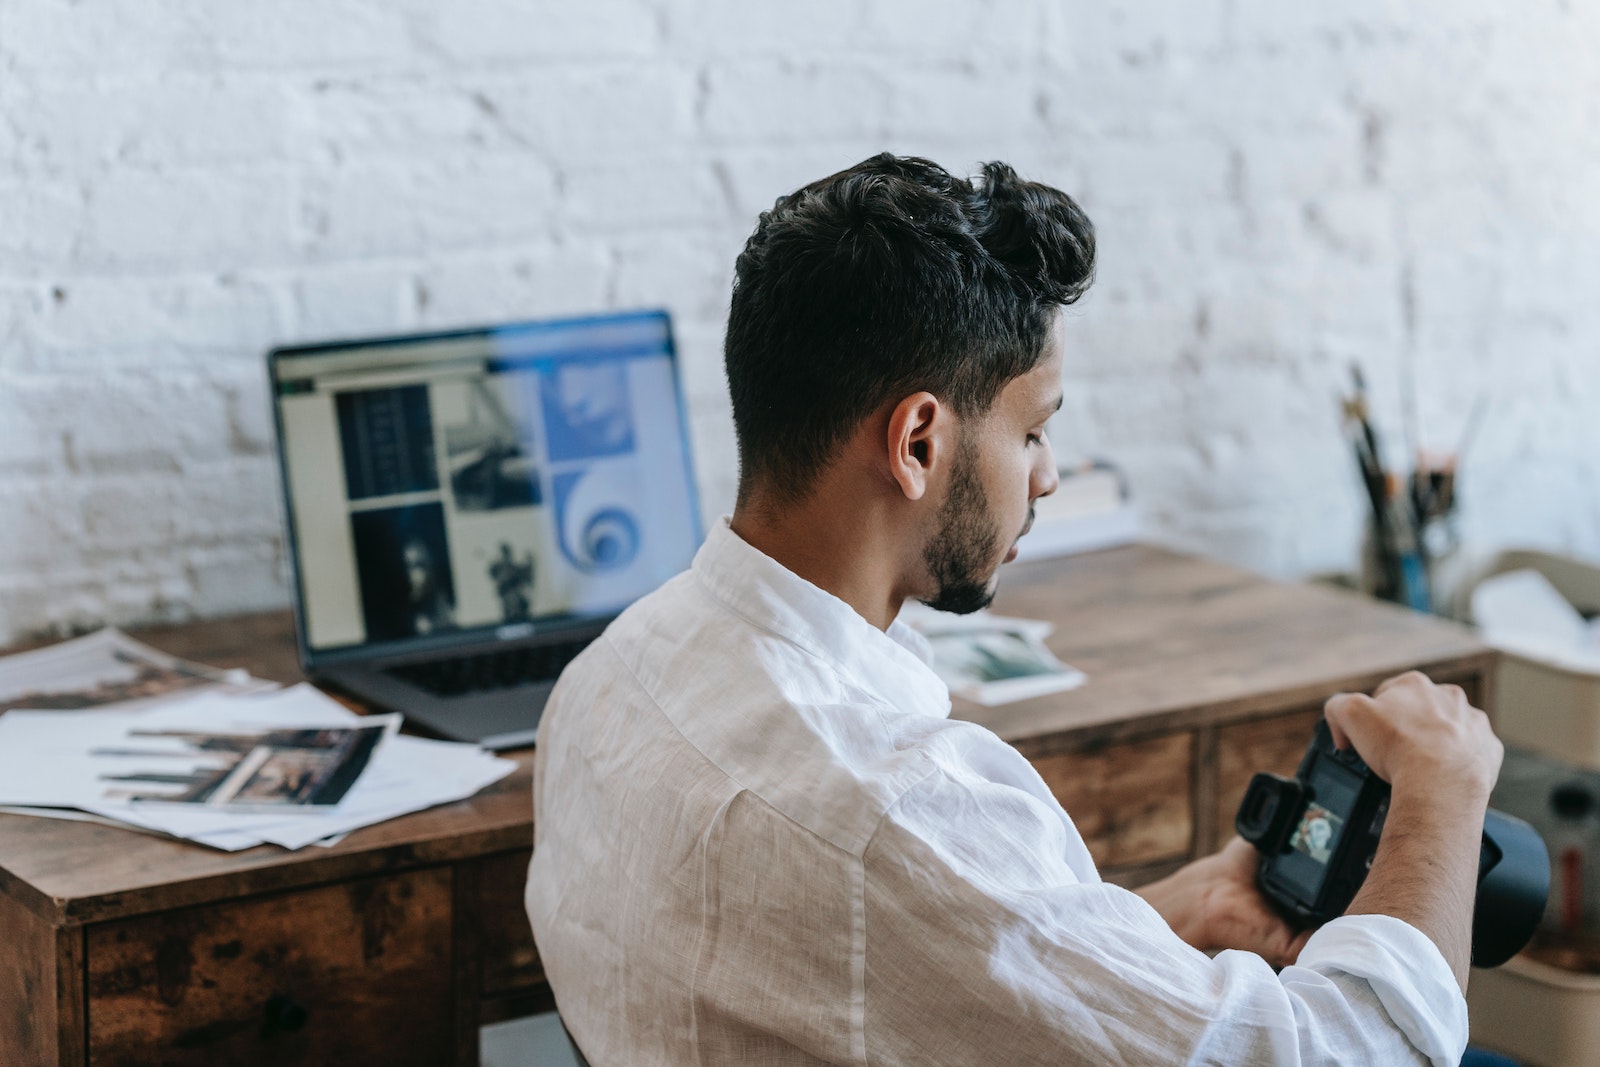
(1131, 802)
(30, 1019)
(82, 872)
(466, 945)
(368, 960)
(1273, 745)
(510, 958)
(1174, 642)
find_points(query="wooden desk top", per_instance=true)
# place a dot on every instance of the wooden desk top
(1169, 641)
(1172, 641)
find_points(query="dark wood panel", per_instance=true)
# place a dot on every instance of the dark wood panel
(1131, 802)
(84, 872)
(368, 963)
(1274, 745)
(510, 958)
(41, 997)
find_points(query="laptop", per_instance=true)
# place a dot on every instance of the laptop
(467, 510)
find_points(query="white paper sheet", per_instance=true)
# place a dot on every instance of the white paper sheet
(406, 774)
(108, 669)
(1521, 612)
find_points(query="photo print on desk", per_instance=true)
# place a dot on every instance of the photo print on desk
(106, 668)
(271, 770)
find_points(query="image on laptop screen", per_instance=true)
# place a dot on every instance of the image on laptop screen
(507, 480)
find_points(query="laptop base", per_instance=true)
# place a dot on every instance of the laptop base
(495, 718)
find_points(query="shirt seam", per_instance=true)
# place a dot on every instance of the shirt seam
(933, 768)
(830, 664)
(741, 786)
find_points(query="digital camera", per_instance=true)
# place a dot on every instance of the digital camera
(1318, 832)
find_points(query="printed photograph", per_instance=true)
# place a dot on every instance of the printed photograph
(403, 570)
(1317, 833)
(996, 665)
(102, 669)
(386, 436)
(144, 679)
(269, 770)
(487, 454)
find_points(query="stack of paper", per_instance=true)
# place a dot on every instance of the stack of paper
(108, 668)
(208, 756)
(1522, 612)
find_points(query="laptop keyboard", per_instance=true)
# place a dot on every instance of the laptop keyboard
(524, 665)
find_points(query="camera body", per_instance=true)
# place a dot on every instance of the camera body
(1318, 833)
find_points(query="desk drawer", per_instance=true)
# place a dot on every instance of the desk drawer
(510, 960)
(352, 973)
(1131, 802)
(1274, 745)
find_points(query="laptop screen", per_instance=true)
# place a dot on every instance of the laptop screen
(512, 480)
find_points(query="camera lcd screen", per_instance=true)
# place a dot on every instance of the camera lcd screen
(1333, 793)
(1301, 870)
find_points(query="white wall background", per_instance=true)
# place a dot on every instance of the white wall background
(1280, 189)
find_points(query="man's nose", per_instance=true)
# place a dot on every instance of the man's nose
(1045, 478)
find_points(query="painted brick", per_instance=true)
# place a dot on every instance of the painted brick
(1280, 191)
(74, 127)
(783, 101)
(514, 31)
(541, 280)
(375, 207)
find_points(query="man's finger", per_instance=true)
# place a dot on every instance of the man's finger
(1408, 678)
(1334, 710)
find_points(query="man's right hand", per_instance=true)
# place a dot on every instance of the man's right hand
(1440, 759)
(1411, 731)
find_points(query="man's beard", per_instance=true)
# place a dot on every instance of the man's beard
(960, 555)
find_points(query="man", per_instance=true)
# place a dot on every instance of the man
(760, 838)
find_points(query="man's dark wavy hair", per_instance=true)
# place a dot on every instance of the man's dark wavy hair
(884, 280)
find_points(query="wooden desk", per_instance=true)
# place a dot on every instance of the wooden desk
(123, 948)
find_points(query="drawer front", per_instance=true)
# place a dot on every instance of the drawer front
(353, 973)
(1133, 803)
(510, 960)
(1274, 745)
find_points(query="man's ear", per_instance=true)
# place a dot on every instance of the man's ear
(916, 441)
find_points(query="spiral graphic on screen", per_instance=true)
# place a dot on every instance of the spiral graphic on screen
(598, 531)
(610, 539)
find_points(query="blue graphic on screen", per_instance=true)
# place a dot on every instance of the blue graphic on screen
(596, 529)
(588, 412)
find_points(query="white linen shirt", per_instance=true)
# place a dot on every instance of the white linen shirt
(761, 840)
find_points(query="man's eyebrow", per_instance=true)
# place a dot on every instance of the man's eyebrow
(1053, 408)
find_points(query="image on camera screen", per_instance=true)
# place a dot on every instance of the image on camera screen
(1317, 833)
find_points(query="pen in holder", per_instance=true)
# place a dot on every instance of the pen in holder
(1410, 528)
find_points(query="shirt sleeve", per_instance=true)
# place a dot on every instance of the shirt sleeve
(984, 945)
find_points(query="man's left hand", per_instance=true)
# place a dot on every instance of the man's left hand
(1214, 904)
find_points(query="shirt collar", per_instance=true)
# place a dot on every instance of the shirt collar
(895, 665)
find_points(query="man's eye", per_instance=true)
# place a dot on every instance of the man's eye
(1036, 438)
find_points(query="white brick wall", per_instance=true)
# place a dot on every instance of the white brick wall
(1280, 189)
